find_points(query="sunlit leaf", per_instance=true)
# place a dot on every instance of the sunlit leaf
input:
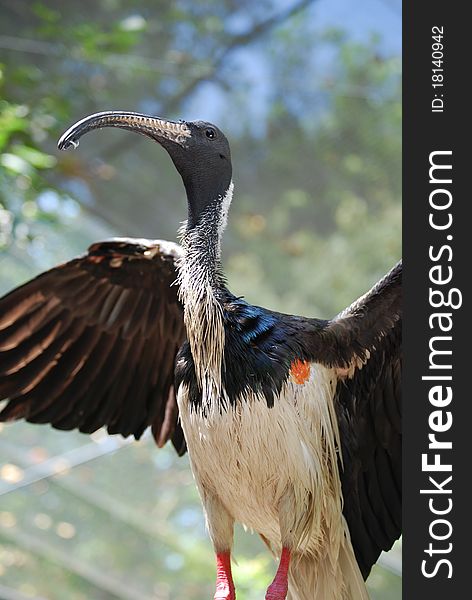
(15, 164)
(35, 157)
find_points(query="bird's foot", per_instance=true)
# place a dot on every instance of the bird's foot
(279, 587)
(224, 591)
(224, 579)
(277, 591)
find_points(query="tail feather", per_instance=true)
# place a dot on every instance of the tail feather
(314, 579)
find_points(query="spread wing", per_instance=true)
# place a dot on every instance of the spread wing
(364, 343)
(92, 342)
(369, 414)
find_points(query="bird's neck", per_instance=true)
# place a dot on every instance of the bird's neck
(202, 291)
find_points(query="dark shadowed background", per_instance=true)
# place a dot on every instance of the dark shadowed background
(308, 93)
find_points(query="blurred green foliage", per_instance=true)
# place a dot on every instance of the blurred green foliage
(21, 176)
(314, 121)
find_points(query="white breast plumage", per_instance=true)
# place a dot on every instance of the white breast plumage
(249, 455)
(254, 458)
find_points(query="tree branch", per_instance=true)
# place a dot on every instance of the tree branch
(237, 42)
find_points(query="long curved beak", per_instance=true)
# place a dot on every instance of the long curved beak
(160, 130)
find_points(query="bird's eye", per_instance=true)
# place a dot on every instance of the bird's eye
(210, 133)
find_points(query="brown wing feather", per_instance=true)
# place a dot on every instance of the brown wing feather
(364, 344)
(368, 404)
(350, 338)
(368, 408)
(92, 342)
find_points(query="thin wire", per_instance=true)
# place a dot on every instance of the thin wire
(7, 593)
(120, 61)
(391, 562)
(63, 463)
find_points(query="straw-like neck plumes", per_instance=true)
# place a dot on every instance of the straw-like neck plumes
(201, 287)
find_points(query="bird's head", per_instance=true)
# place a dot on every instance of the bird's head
(199, 150)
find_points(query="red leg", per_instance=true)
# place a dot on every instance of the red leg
(279, 587)
(224, 578)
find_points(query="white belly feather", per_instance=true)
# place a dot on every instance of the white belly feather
(250, 456)
(260, 462)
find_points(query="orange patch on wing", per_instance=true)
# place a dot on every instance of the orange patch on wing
(300, 371)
